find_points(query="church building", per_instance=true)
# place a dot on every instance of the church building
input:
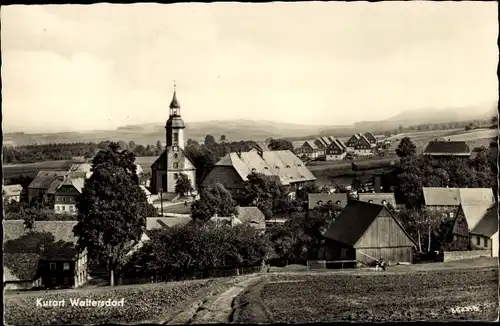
(173, 161)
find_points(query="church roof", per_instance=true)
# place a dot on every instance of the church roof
(174, 104)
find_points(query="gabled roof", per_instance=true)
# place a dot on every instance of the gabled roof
(370, 137)
(47, 180)
(313, 199)
(77, 183)
(252, 215)
(439, 147)
(282, 164)
(488, 224)
(378, 198)
(435, 196)
(310, 143)
(340, 143)
(326, 140)
(354, 220)
(61, 230)
(361, 139)
(163, 222)
(12, 190)
(474, 213)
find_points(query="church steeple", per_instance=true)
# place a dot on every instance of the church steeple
(175, 107)
(175, 125)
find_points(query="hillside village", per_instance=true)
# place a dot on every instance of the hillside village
(272, 192)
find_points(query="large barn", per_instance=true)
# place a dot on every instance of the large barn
(365, 232)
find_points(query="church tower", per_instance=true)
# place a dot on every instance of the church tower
(175, 125)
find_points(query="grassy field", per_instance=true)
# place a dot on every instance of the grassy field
(143, 303)
(404, 295)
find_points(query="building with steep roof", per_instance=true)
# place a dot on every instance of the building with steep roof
(44, 186)
(309, 149)
(378, 198)
(449, 199)
(365, 232)
(363, 147)
(233, 169)
(352, 142)
(173, 161)
(43, 256)
(335, 151)
(66, 194)
(317, 199)
(369, 136)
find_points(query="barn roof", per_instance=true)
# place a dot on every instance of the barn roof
(488, 224)
(47, 180)
(352, 223)
(12, 190)
(310, 143)
(166, 222)
(437, 196)
(314, 198)
(378, 198)
(282, 164)
(252, 215)
(474, 213)
(61, 230)
(370, 137)
(445, 147)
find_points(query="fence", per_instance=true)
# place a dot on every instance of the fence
(197, 275)
(457, 255)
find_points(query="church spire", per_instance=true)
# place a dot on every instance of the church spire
(174, 104)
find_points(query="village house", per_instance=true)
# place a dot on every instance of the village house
(447, 200)
(352, 142)
(309, 149)
(373, 141)
(66, 195)
(378, 198)
(173, 161)
(446, 148)
(364, 233)
(233, 169)
(44, 256)
(315, 200)
(43, 187)
(363, 147)
(321, 145)
(84, 170)
(250, 215)
(12, 193)
(335, 151)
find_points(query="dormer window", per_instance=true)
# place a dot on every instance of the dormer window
(288, 166)
(384, 202)
(299, 165)
(338, 202)
(254, 169)
(277, 167)
(176, 165)
(266, 168)
(291, 177)
(370, 201)
(320, 202)
(329, 202)
(176, 155)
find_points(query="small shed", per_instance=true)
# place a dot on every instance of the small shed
(366, 232)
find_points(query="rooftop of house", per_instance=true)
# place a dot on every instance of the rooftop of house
(378, 198)
(315, 199)
(48, 180)
(166, 222)
(252, 215)
(446, 147)
(12, 190)
(354, 220)
(474, 214)
(311, 143)
(488, 224)
(438, 196)
(282, 164)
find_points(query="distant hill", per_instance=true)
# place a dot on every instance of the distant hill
(257, 130)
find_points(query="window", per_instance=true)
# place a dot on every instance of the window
(71, 208)
(344, 252)
(176, 155)
(52, 266)
(176, 175)
(329, 202)
(338, 202)
(478, 240)
(485, 242)
(57, 208)
(66, 281)
(320, 202)
(63, 208)
(66, 266)
(176, 165)
(53, 281)
(384, 202)
(176, 137)
(370, 201)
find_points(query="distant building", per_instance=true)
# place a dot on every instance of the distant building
(233, 169)
(314, 200)
(378, 198)
(352, 142)
(449, 199)
(443, 148)
(250, 215)
(336, 151)
(310, 149)
(45, 256)
(66, 195)
(173, 161)
(373, 141)
(155, 223)
(363, 147)
(12, 193)
(44, 186)
(359, 234)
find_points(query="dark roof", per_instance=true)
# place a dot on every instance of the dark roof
(370, 137)
(439, 147)
(48, 180)
(355, 220)
(175, 103)
(378, 198)
(488, 224)
(314, 198)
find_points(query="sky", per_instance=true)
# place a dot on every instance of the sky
(101, 66)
